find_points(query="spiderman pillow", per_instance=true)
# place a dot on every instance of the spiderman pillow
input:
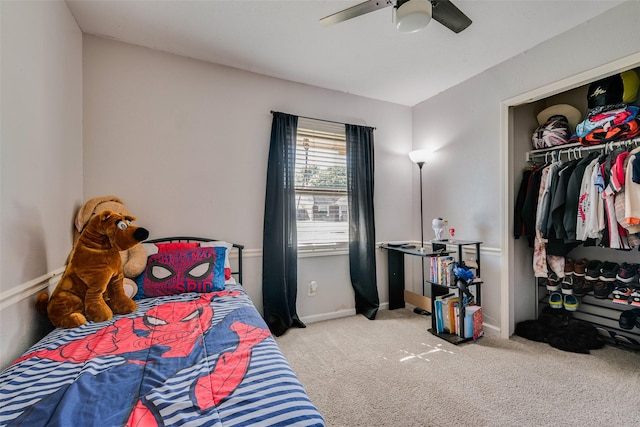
(182, 268)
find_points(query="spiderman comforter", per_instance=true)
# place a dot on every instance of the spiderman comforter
(190, 359)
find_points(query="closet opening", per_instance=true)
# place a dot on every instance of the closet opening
(519, 293)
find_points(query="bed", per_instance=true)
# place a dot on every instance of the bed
(195, 356)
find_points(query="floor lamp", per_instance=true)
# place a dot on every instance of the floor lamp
(419, 157)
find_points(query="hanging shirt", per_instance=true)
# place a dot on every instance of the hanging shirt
(589, 214)
(632, 195)
(572, 197)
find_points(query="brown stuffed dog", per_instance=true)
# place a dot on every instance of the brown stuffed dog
(134, 260)
(94, 273)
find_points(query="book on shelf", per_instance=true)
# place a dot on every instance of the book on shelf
(473, 322)
(448, 313)
(439, 312)
(437, 307)
(441, 270)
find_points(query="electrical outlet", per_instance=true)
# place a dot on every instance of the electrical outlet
(312, 288)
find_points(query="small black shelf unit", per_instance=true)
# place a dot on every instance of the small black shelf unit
(439, 289)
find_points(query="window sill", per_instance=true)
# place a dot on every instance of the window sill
(327, 251)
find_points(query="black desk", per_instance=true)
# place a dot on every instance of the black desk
(395, 259)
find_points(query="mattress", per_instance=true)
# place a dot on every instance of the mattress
(193, 359)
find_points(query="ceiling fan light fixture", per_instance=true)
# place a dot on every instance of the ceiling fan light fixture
(413, 15)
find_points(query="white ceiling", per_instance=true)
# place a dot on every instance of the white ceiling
(365, 56)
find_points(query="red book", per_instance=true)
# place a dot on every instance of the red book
(477, 323)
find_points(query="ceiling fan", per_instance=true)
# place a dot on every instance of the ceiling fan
(410, 15)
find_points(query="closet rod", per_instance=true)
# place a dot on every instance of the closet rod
(320, 120)
(577, 149)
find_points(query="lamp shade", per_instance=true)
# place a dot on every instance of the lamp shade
(419, 156)
(413, 15)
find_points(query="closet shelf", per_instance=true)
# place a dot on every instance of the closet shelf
(576, 149)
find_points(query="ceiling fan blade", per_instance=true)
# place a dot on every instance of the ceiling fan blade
(357, 10)
(449, 15)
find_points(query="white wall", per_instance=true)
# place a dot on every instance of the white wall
(185, 144)
(467, 175)
(41, 155)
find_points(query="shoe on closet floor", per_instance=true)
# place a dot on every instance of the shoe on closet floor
(567, 285)
(568, 267)
(609, 271)
(570, 303)
(621, 293)
(634, 297)
(580, 267)
(601, 290)
(581, 287)
(555, 300)
(628, 319)
(592, 271)
(627, 273)
(554, 283)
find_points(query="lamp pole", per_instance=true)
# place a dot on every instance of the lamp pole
(420, 164)
(419, 157)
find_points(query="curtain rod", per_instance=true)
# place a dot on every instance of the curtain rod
(320, 120)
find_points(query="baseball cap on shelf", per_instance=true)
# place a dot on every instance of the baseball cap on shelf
(571, 113)
(620, 132)
(606, 91)
(630, 84)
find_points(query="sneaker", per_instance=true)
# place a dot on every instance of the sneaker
(567, 285)
(570, 303)
(581, 287)
(628, 319)
(580, 267)
(553, 282)
(592, 272)
(601, 289)
(634, 296)
(627, 272)
(621, 293)
(568, 267)
(555, 300)
(609, 271)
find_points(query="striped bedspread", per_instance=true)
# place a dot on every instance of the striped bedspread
(181, 360)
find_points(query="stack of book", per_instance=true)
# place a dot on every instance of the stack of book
(447, 313)
(441, 270)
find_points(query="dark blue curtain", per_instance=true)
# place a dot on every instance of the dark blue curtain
(280, 243)
(362, 230)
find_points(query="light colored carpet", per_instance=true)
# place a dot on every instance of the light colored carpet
(393, 372)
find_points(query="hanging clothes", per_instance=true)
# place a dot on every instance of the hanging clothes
(632, 194)
(589, 215)
(572, 198)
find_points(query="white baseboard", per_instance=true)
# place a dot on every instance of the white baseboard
(488, 329)
(337, 314)
(491, 329)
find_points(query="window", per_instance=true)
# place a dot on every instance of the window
(322, 205)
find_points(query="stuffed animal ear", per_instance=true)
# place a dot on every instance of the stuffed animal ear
(86, 211)
(105, 215)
